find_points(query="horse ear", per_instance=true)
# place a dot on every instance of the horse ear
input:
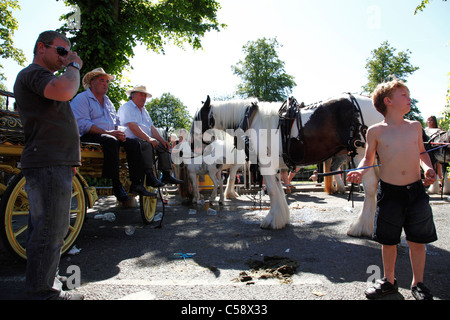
(207, 103)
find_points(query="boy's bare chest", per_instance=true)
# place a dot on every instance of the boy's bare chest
(393, 141)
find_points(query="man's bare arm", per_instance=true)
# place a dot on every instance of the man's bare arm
(65, 87)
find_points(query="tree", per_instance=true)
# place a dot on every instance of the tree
(385, 66)
(262, 72)
(8, 25)
(169, 111)
(110, 29)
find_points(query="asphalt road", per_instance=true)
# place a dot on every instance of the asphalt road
(327, 264)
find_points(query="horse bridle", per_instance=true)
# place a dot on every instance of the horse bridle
(288, 114)
(210, 125)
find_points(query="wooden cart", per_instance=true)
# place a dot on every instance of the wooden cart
(14, 207)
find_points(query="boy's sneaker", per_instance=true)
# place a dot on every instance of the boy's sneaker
(420, 292)
(381, 288)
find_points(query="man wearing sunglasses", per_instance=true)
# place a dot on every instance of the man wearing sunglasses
(49, 158)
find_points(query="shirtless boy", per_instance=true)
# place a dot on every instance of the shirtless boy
(402, 201)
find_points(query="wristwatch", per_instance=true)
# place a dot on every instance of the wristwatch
(74, 64)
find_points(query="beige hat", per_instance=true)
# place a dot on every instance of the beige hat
(94, 73)
(139, 88)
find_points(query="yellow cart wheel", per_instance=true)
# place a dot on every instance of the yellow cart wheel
(14, 209)
(148, 207)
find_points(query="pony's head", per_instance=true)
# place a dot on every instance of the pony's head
(205, 117)
(164, 133)
(203, 121)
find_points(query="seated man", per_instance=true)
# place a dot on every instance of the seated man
(97, 123)
(140, 127)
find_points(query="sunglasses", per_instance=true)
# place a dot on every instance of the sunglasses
(60, 50)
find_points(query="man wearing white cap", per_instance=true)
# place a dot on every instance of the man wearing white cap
(140, 127)
(98, 123)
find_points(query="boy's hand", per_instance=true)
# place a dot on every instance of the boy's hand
(354, 177)
(430, 177)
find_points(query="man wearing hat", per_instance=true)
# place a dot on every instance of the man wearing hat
(98, 123)
(140, 127)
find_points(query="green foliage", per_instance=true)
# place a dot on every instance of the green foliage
(168, 111)
(110, 29)
(422, 6)
(444, 123)
(262, 72)
(384, 65)
(8, 25)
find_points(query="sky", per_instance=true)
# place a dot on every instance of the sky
(325, 46)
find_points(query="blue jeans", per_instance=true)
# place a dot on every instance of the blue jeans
(49, 192)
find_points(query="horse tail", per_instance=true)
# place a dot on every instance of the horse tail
(329, 179)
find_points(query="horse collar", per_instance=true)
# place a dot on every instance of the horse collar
(289, 112)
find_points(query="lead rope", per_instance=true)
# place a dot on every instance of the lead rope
(352, 187)
(444, 175)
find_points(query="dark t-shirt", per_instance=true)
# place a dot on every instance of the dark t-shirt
(51, 131)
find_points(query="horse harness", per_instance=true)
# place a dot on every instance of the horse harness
(357, 130)
(290, 113)
(244, 125)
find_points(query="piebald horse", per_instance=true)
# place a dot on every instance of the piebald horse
(325, 130)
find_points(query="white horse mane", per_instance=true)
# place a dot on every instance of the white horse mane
(231, 111)
(228, 113)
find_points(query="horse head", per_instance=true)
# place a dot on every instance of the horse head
(205, 116)
(248, 118)
(203, 121)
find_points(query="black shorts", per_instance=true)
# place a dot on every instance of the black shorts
(403, 207)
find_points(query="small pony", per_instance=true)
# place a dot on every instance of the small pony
(217, 156)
